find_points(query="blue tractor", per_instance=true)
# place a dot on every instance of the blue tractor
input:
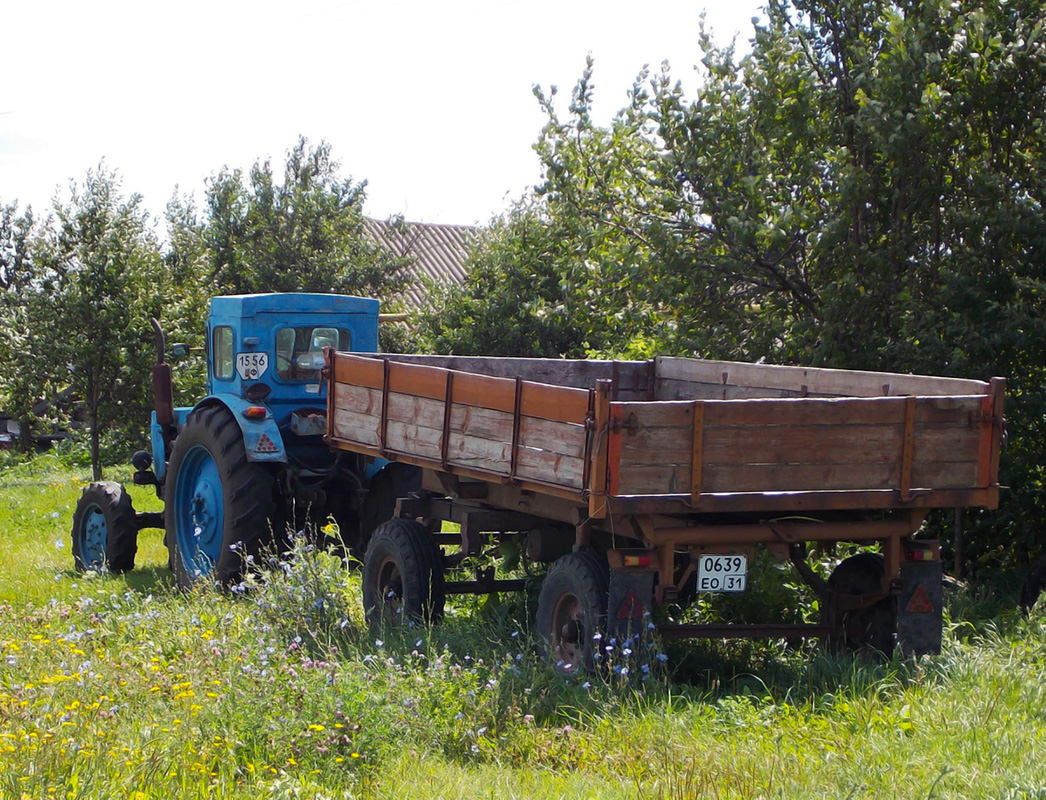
(248, 463)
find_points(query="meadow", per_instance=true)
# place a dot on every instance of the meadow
(123, 687)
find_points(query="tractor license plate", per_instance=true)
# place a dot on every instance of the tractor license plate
(722, 573)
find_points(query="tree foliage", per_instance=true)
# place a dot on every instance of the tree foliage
(98, 266)
(864, 189)
(304, 234)
(22, 385)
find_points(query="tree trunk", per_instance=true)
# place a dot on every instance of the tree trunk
(25, 435)
(96, 455)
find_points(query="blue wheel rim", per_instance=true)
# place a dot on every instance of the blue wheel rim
(94, 535)
(198, 512)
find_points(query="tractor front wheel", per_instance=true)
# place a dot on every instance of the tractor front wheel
(219, 505)
(105, 531)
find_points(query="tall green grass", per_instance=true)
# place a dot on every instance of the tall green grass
(120, 686)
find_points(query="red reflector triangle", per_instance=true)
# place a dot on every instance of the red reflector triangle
(630, 608)
(265, 445)
(920, 602)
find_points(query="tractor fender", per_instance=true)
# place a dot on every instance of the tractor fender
(158, 446)
(261, 437)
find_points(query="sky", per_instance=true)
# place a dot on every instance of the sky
(430, 102)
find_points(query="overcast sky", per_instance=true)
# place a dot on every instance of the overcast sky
(431, 103)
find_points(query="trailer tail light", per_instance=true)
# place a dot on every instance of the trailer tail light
(255, 412)
(636, 561)
(922, 551)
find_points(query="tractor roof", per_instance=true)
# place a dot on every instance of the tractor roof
(246, 305)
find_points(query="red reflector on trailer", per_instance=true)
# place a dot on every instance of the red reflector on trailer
(637, 561)
(255, 412)
(920, 602)
(630, 607)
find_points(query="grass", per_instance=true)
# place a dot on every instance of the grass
(119, 686)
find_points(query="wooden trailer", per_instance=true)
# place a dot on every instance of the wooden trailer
(647, 482)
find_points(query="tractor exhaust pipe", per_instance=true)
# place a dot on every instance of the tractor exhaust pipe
(163, 384)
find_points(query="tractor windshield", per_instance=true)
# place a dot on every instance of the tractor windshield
(299, 350)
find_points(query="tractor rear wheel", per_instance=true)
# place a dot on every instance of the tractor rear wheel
(105, 531)
(219, 505)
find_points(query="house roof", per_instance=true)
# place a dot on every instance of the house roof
(439, 251)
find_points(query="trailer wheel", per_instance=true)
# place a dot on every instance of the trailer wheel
(572, 611)
(218, 504)
(105, 531)
(402, 575)
(872, 629)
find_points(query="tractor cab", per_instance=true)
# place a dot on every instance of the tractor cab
(269, 348)
(265, 358)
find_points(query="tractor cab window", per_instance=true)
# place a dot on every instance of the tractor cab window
(222, 354)
(299, 351)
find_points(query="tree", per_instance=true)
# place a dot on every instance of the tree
(98, 268)
(567, 271)
(305, 234)
(22, 383)
(864, 189)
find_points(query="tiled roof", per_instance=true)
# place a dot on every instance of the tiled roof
(439, 251)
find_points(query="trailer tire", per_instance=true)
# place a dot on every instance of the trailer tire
(870, 630)
(572, 611)
(105, 529)
(219, 505)
(402, 575)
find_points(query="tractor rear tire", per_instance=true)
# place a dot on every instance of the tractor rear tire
(219, 505)
(105, 529)
(402, 575)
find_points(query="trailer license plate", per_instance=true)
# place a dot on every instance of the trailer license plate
(721, 573)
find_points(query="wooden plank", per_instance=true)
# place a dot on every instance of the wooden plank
(483, 391)
(549, 467)
(358, 399)
(563, 438)
(559, 403)
(634, 378)
(351, 426)
(792, 502)
(690, 390)
(768, 478)
(614, 442)
(358, 370)
(479, 454)
(755, 445)
(416, 410)
(597, 474)
(406, 438)
(907, 449)
(515, 427)
(483, 423)
(417, 380)
(697, 445)
(836, 382)
(833, 444)
(806, 411)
